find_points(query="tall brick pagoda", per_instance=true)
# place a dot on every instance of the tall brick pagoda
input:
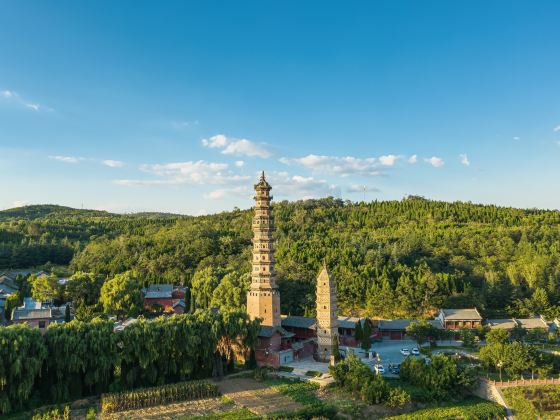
(263, 297)
(327, 316)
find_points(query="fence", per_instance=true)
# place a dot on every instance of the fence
(521, 382)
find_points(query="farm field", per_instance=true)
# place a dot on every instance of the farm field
(531, 402)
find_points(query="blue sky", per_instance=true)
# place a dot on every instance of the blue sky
(176, 106)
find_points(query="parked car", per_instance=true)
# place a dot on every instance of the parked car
(379, 369)
(405, 352)
(395, 369)
(415, 351)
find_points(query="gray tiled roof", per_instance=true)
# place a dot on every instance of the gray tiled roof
(268, 331)
(155, 291)
(29, 314)
(461, 314)
(348, 321)
(401, 324)
(505, 323)
(298, 322)
(531, 323)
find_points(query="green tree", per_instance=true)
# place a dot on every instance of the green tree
(358, 333)
(467, 337)
(498, 335)
(67, 313)
(203, 284)
(335, 348)
(231, 292)
(421, 332)
(121, 296)
(45, 288)
(12, 301)
(84, 288)
(366, 335)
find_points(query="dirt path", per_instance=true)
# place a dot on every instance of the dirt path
(255, 396)
(175, 411)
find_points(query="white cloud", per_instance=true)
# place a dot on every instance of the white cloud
(237, 147)
(19, 203)
(413, 159)
(113, 163)
(557, 128)
(343, 166)
(191, 172)
(357, 188)
(17, 99)
(226, 192)
(465, 159)
(239, 163)
(67, 159)
(435, 161)
(179, 125)
(388, 160)
(517, 138)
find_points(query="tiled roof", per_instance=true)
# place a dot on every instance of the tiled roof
(506, 323)
(29, 314)
(531, 323)
(298, 322)
(348, 321)
(268, 331)
(461, 314)
(401, 324)
(156, 291)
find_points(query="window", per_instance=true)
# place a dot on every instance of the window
(41, 324)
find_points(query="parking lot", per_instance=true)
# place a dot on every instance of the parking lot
(389, 352)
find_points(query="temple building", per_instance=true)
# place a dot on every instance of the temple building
(282, 338)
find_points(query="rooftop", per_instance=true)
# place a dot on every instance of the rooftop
(298, 321)
(506, 323)
(470, 314)
(155, 291)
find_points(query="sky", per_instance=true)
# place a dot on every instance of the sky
(177, 106)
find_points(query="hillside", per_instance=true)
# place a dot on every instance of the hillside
(392, 258)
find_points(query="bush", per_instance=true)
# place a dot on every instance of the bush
(53, 414)
(149, 397)
(397, 398)
(260, 374)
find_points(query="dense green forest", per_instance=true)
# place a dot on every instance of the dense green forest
(389, 259)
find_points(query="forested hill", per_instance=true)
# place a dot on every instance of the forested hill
(392, 258)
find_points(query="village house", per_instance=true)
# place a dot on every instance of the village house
(168, 298)
(37, 315)
(454, 319)
(525, 323)
(395, 329)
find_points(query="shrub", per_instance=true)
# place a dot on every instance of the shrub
(53, 414)
(397, 398)
(149, 397)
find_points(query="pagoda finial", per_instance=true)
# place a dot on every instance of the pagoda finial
(262, 176)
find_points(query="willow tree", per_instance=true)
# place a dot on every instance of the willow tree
(21, 355)
(82, 358)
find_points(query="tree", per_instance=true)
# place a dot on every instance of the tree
(203, 284)
(467, 337)
(497, 335)
(335, 348)
(84, 288)
(366, 335)
(421, 332)
(358, 333)
(12, 301)
(45, 288)
(121, 295)
(539, 300)
(231, 293)
(67, 313)
(518, 333)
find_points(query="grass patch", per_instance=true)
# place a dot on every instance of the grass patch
(242, 414)
(302, 392)
(531, 402)
(286, 369)
(469, 409)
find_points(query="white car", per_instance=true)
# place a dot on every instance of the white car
(405, 352)
(379, 369)
(415, 352)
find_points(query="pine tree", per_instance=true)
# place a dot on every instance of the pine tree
(335, 348)
(67, 313)
(358, 333)
(366, 335)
